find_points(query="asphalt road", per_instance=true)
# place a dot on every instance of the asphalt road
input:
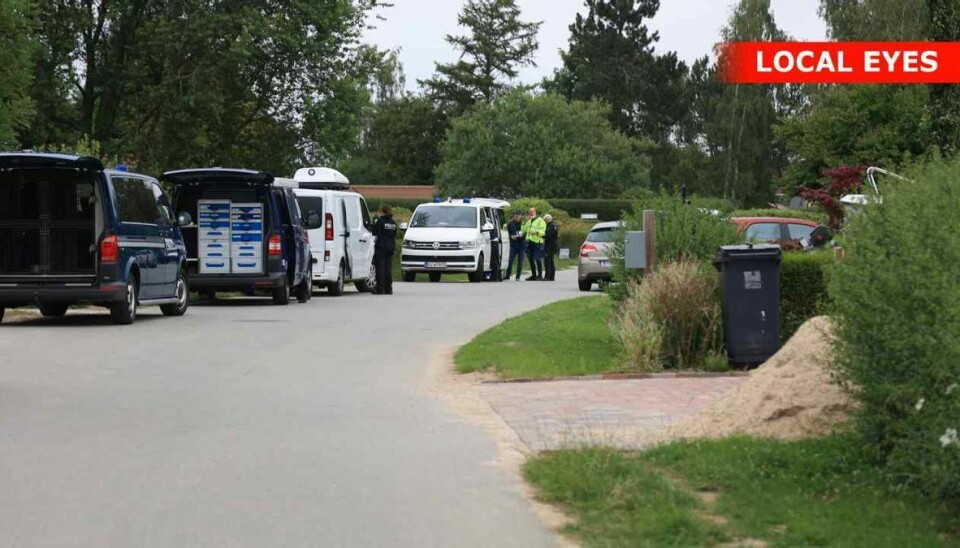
(247, 424)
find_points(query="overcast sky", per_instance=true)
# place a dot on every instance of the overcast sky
(689, 27)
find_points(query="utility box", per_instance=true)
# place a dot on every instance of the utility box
(751, 301)
(635, 250)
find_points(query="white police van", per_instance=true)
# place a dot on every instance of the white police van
(456, 236)
(342, 247)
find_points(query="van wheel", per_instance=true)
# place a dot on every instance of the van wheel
(585, 285)
(53, 310)
(435, 277)
(281, 296)
(182, 293)
(409, 277)
(477, 275)
(125, 311)
(370, 284)
(304, 291)
(337, 288)
(2, 310)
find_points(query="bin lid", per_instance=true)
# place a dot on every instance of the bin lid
(749, 252)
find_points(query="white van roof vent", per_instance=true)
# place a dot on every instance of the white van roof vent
(321, 178)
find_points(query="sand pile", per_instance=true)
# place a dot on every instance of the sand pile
(791, 396)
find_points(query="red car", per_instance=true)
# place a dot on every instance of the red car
(768, 229)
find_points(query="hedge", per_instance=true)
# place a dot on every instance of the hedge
(803, 289)
(606, 210)
(896, 295)
(809, 214)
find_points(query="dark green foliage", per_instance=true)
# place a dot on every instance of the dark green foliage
(944, 98)
(16, 51)
(606, 210)
(524, 145)
(572, 237)
(259, 84)
(683, 232)
(498, 45)
(876, 20)
(803, 289)
(856, 125)
(808, 214)
(401, 145)
(897, 298)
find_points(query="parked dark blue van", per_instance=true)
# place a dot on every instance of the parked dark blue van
(249, 233)
(74, 232)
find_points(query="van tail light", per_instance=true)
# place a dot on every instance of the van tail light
(273, 246)
(586, 249)
(328, 227)
(326, 256)
(109, 249)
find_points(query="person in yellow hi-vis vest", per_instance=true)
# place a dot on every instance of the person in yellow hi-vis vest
(534, 228)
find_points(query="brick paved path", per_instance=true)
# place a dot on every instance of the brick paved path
(622, 413)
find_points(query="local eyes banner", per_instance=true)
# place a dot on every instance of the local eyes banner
(840, 62)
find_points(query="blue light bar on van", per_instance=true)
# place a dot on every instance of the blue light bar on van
(122, 167)
(436, 199)
(466, 200)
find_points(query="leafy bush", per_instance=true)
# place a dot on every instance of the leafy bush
(897, 298)
(572, 237)
(684, 232)
(672, 320)
(523, 204)
(606, 210)
(808, 214)
(803, 289)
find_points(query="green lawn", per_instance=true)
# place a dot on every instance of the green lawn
(809, 493)
(564, 338)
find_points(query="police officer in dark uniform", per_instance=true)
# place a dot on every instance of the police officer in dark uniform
(385, 230)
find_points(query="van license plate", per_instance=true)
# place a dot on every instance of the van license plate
(604, 264)
(436, 265)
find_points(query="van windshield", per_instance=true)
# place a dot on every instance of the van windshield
(445, 217)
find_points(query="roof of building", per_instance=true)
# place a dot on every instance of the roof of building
(397, 192)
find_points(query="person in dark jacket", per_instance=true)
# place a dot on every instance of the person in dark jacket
(385, 230)
(517, 244)
(551, 247)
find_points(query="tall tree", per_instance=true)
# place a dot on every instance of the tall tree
(261, 82)
(944, 26)
(893, 20)
(523, 145)
(17, 45)
(611, 58)
(499, 43)
(743, 121)
(400, 145)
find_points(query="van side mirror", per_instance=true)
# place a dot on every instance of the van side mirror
(404, 226)
(488, 227)
(313, 220)
(184, 219)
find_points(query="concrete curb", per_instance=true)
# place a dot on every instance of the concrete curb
(626, 377)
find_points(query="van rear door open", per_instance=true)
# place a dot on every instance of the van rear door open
(49, 224)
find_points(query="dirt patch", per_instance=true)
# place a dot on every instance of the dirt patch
(461, 394)
(792, 396)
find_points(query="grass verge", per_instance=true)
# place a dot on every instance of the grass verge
(736, 492)
(564, 338)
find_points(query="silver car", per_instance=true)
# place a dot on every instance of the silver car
(595, 254)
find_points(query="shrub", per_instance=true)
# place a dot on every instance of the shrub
(672, 320)
(684, 232)
(803, 289)
(897, 298)
(523, 204)
(606, 210)
(814, 215)
(571, 237)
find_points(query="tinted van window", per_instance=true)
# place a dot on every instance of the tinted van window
(310, 203)
(135, 200)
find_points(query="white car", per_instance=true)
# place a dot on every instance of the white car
(455, 236)
(342, 247)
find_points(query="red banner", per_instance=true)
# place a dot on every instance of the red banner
(840, 62)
